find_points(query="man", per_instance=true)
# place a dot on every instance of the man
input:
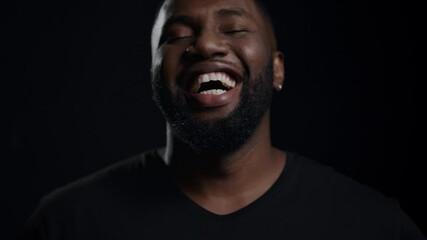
(215, 67)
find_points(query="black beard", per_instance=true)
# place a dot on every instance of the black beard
(221, 136)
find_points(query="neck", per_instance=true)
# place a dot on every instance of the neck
(179, 156)
(245, 173)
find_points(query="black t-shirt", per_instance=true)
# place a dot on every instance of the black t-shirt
(137, 199)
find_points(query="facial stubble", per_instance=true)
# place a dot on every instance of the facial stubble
(218, 136)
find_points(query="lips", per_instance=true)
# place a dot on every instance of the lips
(212, 85)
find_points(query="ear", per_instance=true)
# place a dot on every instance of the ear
(279, 70)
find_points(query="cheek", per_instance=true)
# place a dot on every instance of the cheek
(169, 68)
(254, 54)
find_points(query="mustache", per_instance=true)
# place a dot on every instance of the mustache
(223, 61)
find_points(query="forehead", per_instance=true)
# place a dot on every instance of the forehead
(220, 8)
(200, 11)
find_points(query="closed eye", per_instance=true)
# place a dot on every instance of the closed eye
(177, 38)
(177, 32)
(236, 31)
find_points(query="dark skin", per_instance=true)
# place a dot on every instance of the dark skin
(209, 36)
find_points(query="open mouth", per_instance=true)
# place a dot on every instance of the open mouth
(214, 83)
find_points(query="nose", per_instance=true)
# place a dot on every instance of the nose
(208, 44)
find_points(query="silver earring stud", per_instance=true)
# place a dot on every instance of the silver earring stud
(279, 87)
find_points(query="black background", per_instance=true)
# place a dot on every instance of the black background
(77, 94)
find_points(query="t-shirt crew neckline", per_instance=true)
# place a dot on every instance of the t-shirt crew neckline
(282, 185)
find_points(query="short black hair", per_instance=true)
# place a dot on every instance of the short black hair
(260, 4)
(265, 11)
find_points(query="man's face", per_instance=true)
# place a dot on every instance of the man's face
(214, 66)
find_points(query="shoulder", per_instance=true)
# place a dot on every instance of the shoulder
(345, 204)
(120, 179)
(100, 197)
(325, 179)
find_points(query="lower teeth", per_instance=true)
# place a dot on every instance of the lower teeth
(214, 92)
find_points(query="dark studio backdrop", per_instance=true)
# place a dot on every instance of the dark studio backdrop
(78, 95)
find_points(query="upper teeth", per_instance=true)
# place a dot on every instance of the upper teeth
(216, 76)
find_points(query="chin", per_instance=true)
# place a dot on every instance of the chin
(217, 130)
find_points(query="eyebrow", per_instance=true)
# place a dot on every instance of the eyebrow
(231, 12)
(225, 12)
(187, 20)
